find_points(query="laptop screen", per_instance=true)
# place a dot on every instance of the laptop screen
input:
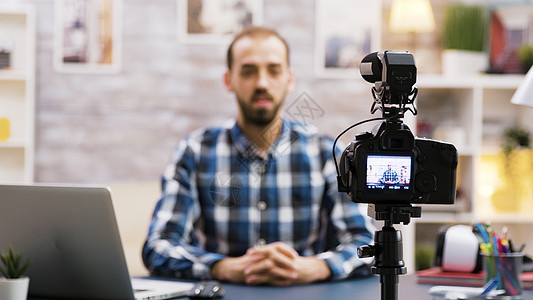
(71, 235)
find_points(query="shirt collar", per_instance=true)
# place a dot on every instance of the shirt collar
(248, 149)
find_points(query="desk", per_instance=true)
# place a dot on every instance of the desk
(358, 289)
(366, 288)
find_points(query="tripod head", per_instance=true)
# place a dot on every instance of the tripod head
(394, 214)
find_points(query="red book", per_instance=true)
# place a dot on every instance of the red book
(436, 276)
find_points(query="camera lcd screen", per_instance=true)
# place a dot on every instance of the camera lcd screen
(388, 172)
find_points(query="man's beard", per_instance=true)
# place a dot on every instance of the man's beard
(260, 116)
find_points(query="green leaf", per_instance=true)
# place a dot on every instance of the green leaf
(11, 252)
(13, 268)
(23, 268)
(465, 27)
(3, 272)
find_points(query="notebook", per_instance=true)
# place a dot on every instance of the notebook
(435, 275)
(72, 237)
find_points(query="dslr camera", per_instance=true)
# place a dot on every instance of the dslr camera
(389, 166)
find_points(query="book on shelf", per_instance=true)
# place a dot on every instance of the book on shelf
(435, 275)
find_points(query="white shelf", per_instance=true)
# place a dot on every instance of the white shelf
(11, 75)
(465, 150)
(509, 218)
(15, 9)
(13, 143)
(17, 94)
(480, 106)
(465, 103)
(444, 217)
(510, 81)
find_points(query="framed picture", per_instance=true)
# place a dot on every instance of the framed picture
(510, 29)
(346, 31)
(215, 21)
(87, 36)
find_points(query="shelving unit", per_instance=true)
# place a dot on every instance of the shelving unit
(17, 94)
(472, 113)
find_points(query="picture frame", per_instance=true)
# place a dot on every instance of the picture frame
(214, 21)
(87, 36)
(510, 28)
(346, 31)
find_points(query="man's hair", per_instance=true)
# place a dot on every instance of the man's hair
(253, 32)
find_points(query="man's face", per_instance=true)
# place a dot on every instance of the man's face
(260, 78)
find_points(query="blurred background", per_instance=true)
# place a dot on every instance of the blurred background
(100, 91)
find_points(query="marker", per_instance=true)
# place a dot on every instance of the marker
(489, 286)
(495, 244)
(504, 233)
(507, 273)
(505, 243)
(483, 233)
(511, 247)
(484, 248)
(501, 247)
(489, 231)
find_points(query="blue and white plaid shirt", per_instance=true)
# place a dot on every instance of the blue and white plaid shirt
(390, 176)
(220, 198)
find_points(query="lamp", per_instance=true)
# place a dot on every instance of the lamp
(524, 93)
(411, 16)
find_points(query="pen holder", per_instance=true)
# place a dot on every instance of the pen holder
(506, 268)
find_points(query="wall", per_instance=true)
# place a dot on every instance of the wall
(108, 128)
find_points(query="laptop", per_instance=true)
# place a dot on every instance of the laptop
(72, 237)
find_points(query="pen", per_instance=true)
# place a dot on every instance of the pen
(489, 231)
(483, 233)
(494, 243)
(502, 247)
(505, 248)
(489, 286)
(497, 259)
(504, 233)
(505, 243)
(484, 248)
(506, 273)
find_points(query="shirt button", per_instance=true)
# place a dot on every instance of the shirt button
(261, 242)
(261, 205)
(260, 169)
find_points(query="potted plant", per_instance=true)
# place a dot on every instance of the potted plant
(464, 40)
(525, 54)
(14, 286)
(515, 165)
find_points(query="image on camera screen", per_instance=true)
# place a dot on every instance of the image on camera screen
(388, 172)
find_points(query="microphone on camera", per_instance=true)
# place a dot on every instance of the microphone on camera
(371, 68)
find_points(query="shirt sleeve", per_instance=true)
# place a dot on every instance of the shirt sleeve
(171, 248)
(350, 227)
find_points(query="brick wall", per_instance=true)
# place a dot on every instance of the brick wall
(122, 127)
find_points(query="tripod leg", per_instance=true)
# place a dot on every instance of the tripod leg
(389, 287)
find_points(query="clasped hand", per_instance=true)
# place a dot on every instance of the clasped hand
(272, 264)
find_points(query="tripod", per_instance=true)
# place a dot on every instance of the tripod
(388, 248)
